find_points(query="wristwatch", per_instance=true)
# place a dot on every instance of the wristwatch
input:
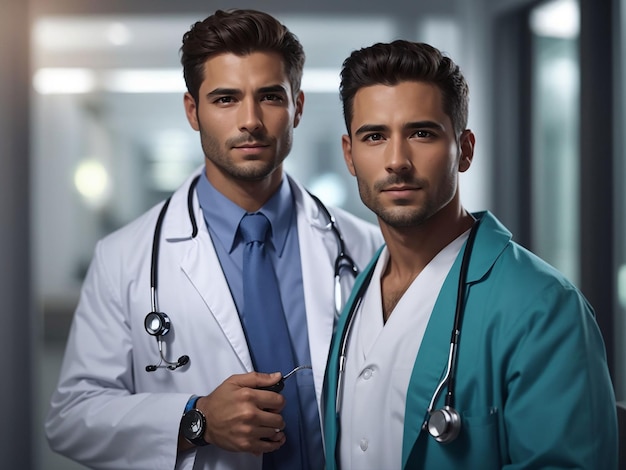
(193, 423)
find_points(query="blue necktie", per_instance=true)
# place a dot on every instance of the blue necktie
(268, 336)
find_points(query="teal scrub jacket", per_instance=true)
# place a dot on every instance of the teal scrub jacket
(533, 386)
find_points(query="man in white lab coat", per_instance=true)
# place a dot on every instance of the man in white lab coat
(123, 393)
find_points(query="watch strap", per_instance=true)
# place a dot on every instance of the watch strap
(190, 409)
(191, 403)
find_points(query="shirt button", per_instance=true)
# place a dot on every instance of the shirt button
(367, 374)
(363, 444)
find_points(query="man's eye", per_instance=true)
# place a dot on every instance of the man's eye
(272, 97)
(224, 99)
(373, 137)
(422, 134)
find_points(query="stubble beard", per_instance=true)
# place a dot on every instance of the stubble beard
(398, 216)
(250, 171)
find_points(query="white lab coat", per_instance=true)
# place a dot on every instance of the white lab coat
(108, 412)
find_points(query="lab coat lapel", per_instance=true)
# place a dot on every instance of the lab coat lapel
(430, 364)
(318, 249)
(431, 360)
(199, 261)
(330, 417)
(203, 269)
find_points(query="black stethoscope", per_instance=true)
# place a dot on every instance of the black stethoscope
(158, 323)
(443, 424)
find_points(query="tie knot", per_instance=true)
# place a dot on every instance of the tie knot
(254, 227)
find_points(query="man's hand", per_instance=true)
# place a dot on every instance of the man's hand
(240, 418)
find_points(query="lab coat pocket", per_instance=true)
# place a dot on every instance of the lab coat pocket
(476, 447)
(478, 443)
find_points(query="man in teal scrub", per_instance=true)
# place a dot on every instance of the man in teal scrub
(459, 349)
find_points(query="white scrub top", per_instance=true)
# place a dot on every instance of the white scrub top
(379, 362)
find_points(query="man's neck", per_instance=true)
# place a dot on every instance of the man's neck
(247, 194)
(411, 249)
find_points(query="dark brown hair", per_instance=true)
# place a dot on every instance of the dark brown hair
(239, 32)
(401, 61)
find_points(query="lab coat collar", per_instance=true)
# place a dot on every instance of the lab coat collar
(224, 216)
(307, 207)
(317, 256)
(430, 365)
(177, 225)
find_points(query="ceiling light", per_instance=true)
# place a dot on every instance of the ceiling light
(64, 81)
(144, 81)
(118, 34)
(558, 19)
(75, 80)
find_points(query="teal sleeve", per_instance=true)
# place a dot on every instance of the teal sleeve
(559, 410)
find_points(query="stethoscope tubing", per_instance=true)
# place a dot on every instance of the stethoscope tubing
(342, 261)
(449, 378)
(154, 261)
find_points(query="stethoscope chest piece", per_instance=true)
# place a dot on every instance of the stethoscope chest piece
(157, 323)
(444, 424)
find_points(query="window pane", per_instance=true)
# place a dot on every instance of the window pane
(620, 220)
(555, 111)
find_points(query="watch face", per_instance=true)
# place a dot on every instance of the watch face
(193, 425)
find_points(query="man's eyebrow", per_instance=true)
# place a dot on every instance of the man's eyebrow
(425, 125)
(273, 89)
(236, 91)
(223, 91)
(371, 128)
(410, 125)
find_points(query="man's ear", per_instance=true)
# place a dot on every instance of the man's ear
(191, 111)
(346, 145)
(299, 102)
(466, 144)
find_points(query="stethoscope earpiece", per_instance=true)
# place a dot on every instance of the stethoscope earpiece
(444, 424)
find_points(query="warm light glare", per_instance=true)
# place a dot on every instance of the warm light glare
(92, 182)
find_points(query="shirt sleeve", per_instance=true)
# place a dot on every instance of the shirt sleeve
(95, 416)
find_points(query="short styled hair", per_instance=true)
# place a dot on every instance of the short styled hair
(239, 32)
(402, 61)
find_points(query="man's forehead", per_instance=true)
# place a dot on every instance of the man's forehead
(409, 101)
(258, 68)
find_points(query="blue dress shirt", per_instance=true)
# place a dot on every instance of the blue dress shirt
(222, 217)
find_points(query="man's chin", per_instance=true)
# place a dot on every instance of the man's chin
(402, 217)
(254, 171)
